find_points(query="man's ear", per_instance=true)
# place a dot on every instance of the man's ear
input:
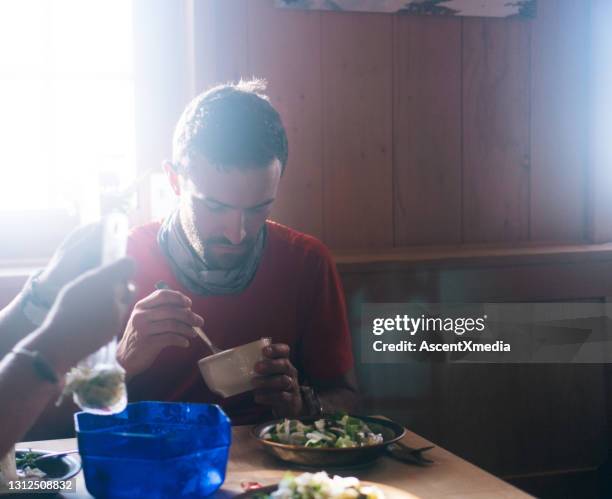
(173, 177)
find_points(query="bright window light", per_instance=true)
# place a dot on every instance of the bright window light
(66, 102)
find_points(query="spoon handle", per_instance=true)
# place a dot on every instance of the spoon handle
(206, 339)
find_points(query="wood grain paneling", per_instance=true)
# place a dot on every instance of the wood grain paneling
(427, 130)
(600, 107)
(495, 130)
(202, 31)
(537, 418)
(559, 44)
(356, 64)
(509, 419)
(279, 53)
(231, 44)
(418, 130)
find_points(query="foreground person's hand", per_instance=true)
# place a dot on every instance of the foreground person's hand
(87, 314)
(277, 385)
(162, 319)
(80, 251)
(85, 317)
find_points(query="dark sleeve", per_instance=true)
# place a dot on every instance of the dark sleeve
(325, 343)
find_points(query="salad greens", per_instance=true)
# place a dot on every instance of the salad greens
(336, 431)
(25, 464)
(26, 459)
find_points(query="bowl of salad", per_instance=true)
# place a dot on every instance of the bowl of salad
(337, 440)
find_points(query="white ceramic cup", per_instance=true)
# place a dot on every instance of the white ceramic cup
(230, 372)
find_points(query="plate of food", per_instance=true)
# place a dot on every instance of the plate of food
(322, 486)
(21, 470)
(337, 440)
(61, 468)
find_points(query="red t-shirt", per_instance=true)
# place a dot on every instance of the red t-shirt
(295, 298)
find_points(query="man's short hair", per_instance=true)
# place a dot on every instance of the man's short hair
(231, 125)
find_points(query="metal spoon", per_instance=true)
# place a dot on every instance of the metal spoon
(198, 330)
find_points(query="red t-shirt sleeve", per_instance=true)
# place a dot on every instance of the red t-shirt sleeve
(326, 348)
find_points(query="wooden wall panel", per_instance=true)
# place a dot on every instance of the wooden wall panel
(417, 130)
(495, 130)
(202, 31)
(231, 44)
(357, 100)
(600, 108)
(559, 44)
(284, 48)
(427, 130)
(510, 419)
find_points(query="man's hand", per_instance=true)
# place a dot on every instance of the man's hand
(278, 385)
(162, 319)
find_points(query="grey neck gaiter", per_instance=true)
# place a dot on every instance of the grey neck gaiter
(191, 269)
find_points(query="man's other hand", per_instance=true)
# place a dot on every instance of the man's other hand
(160, 320)
(277, 385)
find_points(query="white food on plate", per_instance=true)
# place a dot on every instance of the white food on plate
(321, 486)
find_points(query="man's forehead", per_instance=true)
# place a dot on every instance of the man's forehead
(233, 185)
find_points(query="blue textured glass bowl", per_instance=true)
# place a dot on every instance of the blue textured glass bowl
(155, 449)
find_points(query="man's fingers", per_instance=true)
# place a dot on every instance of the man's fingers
(280, 382)
(164, 297)
(165, 340)
(276, 351)
(171, 326)
(276, 366)
(265, 397)
(173, 313)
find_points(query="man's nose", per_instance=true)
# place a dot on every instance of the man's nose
(234, 227)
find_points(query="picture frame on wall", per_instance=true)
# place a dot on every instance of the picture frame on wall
(472, 8)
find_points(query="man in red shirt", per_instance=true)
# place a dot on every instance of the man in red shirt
(235, 273)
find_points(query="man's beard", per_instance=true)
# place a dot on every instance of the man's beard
(203, 247)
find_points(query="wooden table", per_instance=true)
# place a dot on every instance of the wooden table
(449, 476)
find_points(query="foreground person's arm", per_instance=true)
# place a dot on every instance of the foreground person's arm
(85, 317)
(79, 252)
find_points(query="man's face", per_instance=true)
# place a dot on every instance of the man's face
(222, 211)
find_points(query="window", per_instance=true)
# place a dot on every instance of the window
(67, 110)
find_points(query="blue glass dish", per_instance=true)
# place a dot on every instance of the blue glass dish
(155, 450)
